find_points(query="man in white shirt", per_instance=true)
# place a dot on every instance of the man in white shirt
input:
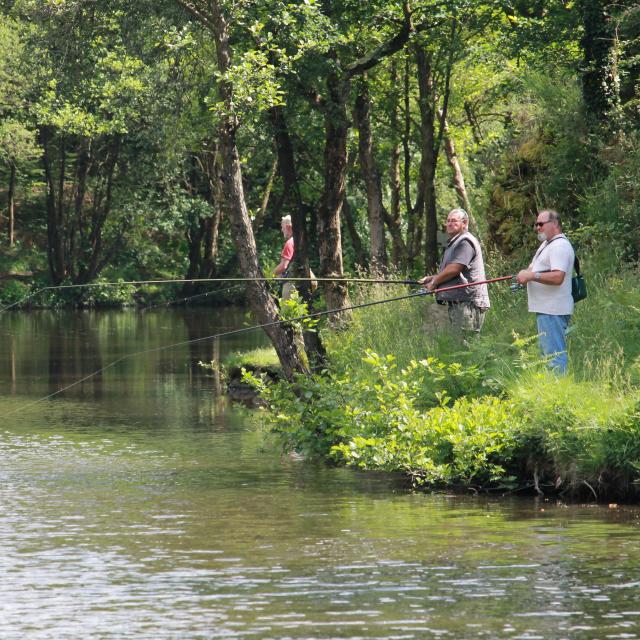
(548, 281)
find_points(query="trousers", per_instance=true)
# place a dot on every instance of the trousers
(552, 340)
(466, 317)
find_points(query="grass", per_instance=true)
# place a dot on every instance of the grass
(260, 358)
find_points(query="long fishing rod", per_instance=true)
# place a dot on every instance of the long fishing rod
(308, 316)
(202, 280)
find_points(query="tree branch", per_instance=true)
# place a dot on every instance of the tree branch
(197, 13)
(386, 49)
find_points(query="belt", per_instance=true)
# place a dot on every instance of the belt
(450, 303)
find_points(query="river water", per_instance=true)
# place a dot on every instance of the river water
(139, 504)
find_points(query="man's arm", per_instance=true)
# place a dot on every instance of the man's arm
(554, 278)
(452, 270)
(282, 267)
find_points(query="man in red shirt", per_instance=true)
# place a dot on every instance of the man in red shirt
(286, 256)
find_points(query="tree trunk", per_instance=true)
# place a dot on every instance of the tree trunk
(600, 81)
(211, 225)
(458, 177)
(412, 221)
(335, 166)
(260, 300)
(202, 233)
(371, 176)
(398, 246)
(259, 217)
(95, 254)
(356, 242)
(11, 198)
(55, 232)
(286, 161)
(427, 187)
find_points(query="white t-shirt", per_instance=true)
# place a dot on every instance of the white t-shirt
(555, 300)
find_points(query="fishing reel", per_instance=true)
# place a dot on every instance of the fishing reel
(515, 285)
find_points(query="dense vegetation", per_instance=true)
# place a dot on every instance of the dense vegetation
(164, 139)
(402, 394)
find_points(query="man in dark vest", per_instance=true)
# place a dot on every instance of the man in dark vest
(461, 263)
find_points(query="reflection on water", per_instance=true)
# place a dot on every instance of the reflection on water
(139, 505)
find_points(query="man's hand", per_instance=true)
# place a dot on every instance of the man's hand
(427, 283)
(525, 276)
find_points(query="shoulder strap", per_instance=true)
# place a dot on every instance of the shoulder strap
(464, 237)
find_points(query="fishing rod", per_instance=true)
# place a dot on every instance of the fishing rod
(202, 280)
(308, 316)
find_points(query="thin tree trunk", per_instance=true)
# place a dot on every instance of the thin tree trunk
(473, 122)
(398, 246)
(371, 176)
(458, 176)
(335, 165)
(262, 304)
(202, 233)
(600, 81)
(412, 222)
(11, 196)
(212, 224)
(257, 222)
(55, 245)
(428, 160)
(356, 241)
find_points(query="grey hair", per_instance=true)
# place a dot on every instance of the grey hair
(553, 215)
(460, 212)
(286, 220)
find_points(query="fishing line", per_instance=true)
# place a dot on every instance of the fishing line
(196, 280)
(308, 316)
(168, 303)
(217, 335)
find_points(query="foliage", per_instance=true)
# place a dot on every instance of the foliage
(611, 205)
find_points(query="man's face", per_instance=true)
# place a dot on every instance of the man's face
(545, 227)
(455, 224)
(287, 230)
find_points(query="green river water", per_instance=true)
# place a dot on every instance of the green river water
(139, 504)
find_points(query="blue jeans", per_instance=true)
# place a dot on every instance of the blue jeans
(551, 330)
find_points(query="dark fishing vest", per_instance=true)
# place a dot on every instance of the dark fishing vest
(479, 294)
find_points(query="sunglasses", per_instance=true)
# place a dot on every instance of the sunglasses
(541, 224)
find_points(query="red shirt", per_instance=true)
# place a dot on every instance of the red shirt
(287, 250)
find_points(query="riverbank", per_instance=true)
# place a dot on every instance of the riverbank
(400, 394)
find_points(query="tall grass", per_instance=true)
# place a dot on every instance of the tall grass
(603, 340)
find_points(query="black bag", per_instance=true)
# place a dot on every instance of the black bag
(578, 285)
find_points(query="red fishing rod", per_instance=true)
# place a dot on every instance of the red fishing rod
(470, 284)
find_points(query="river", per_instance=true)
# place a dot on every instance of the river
(140, 504)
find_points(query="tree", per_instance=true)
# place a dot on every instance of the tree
(600, 81)
(375, 205)
(18, 144)
(97, 75)
(213, 16)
